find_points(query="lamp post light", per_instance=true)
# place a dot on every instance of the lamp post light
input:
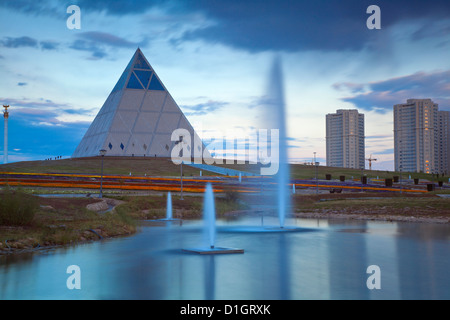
(102, 154)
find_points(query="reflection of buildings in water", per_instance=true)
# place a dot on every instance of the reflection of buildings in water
(347, 262)
(382, 252)
(263, 272)
(423, 262)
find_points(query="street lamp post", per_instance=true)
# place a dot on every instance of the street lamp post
(102, 154)
(5, 143)
(400, 180)
(362, 177)
(317, 180)
(180, 140)
(181, 179)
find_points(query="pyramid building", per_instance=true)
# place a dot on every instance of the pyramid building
(137, 118)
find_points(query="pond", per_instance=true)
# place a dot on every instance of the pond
(326, 259)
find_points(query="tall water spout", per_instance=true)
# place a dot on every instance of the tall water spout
(169, 206)
(209, 228)
(209, 216)
(276, 118)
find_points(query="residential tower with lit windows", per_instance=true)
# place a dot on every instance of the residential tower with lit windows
(345, 139)
(420, 137)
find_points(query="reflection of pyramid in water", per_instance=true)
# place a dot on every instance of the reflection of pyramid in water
(138, 117)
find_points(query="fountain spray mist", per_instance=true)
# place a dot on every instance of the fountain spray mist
(169, 206)
(209, 216)
(275, 117)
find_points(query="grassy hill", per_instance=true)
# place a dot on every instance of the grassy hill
(111, 166)
(139, 166)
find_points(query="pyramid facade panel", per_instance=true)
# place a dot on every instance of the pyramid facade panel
(131, 100)
(116, 143)
(161, 145)
(97, 143)
(101, 124)
(138, 145)
(93, 145)
(170, 105)
(167, 122)
(154, 101)
(146, 122)
(137, 118)
(124, 121)
(111, 102)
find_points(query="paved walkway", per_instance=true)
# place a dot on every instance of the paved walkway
(222, 170)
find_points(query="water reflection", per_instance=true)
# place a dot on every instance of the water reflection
(423, 268)
(327, 263)
(210, 277)
(347, 263)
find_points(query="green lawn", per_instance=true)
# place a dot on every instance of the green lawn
(111, 166)
(139, 166)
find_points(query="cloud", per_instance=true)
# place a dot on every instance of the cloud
(42, 128)
(331, 25)
(43, 141)
(89, 46)
(352, 87)
(43, 7)
(119, 7)
(49, 45)
(432, 29)
(203, 108)
(386, 151)
(107, 39)
(44, 112)
(19, 42)
(25, 41)
(100, 43)
(378, 137)
(383, 95)
(280, 25)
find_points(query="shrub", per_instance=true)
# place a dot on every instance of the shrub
(232, 196)
(16, 207)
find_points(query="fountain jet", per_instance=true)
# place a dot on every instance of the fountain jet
(209, 216)
(209, 220)
(169, 206)
(275, 117)
(169, 212)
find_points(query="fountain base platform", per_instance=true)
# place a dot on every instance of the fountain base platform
(162, 222)
(263, 229)
(283, 229)
(214, 250)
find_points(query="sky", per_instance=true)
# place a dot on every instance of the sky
(214, 57)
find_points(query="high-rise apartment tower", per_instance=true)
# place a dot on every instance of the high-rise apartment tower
(421, 137)
(345, 139)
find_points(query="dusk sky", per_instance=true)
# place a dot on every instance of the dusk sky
(214, 57)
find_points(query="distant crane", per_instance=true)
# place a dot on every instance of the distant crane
(370, 162)
(5, 143)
